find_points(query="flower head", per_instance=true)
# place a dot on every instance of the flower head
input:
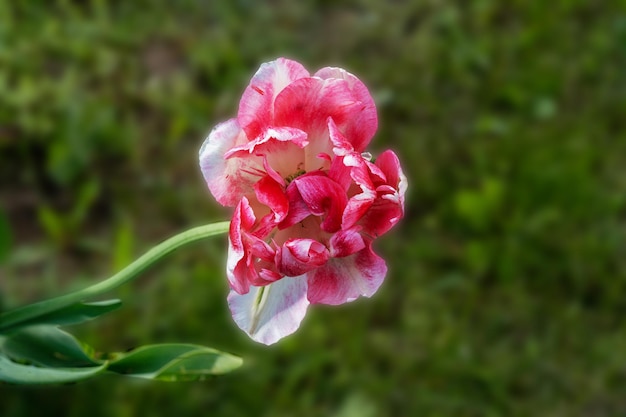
(308, 199)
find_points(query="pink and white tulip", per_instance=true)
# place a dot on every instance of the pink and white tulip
(308, 200)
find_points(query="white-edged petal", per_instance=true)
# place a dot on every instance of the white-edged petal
(228, 179)
(343, 280)
(269, 313)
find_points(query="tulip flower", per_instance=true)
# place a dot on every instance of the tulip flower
(308, 199)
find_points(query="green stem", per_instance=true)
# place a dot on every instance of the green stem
(27, 312)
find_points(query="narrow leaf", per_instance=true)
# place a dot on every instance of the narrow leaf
(197, 365)
(46, 346)
(15, 373)
(74, 314)
(174, 362)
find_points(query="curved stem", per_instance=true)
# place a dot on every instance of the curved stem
(13, 317)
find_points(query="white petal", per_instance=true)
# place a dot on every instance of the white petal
(269, 313)
(228, 179)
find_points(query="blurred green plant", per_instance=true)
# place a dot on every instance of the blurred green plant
(65, 228)
(523, 316)
(6, 239)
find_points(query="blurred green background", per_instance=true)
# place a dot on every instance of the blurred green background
(507, 283)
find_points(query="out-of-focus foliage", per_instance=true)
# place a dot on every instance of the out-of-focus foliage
(507, 283)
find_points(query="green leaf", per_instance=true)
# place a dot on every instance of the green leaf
(174, 362)
(74, 314)
(47, 346)
(47, 355)
(199, 364)
(16, 373)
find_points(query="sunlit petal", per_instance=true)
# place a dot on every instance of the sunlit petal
(269, 313)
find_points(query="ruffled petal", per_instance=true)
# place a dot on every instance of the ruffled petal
(340, 173)
(341, 146)
(228, 179)
(381, 216)
(272, 194)
(359, 203)
(389, 164)
(307, 104)
(298, 209)
(269, 313)
(323, 196)
(298, 256)
(349, 168)
(361, 127)
(270, 141)
(281, 149)
(388, 208)
(257, 102)
(238, 269)
(344, 279)
(346, 242)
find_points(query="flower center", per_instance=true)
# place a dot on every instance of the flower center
(299, 171)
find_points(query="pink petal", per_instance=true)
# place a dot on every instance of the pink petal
(260, 249)
(272, 172)
(257, 102)
(376, 174)
(269, 313)
(388, 208)
(307, 104)
(238, 270)
(261, 259)
(341, 146)
(349, 168)
(346, 242)
(267, 276)
(361, 128)
(381, 216)
(340, 173)
(270, 141)
(281, 149)
(323, 196)
(390, 165)
(344, 279)
(357, 207)
(298, 209)
(298, 256)
(272, 194)
(231, 179)
(359, 203)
